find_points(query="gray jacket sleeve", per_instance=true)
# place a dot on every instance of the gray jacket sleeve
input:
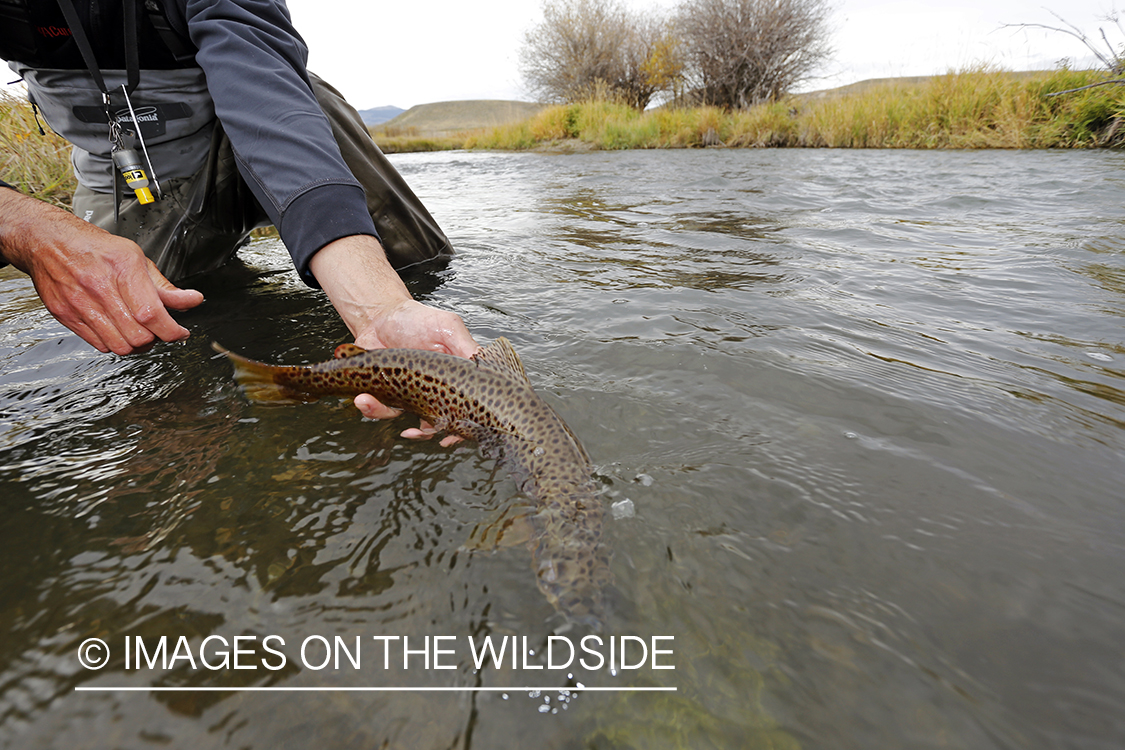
(254, 61)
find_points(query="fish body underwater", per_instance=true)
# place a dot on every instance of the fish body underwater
(487, 398)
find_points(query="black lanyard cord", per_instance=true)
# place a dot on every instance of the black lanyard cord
(132, 58)
(125, 157)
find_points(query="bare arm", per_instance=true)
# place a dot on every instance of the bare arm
(98, 285)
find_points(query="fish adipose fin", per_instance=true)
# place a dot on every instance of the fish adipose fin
(499, 356)
(257, 379)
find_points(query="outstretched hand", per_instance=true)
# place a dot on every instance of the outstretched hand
(378, 309)
(98, 285)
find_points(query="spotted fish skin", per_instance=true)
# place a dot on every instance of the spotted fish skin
(487, 398)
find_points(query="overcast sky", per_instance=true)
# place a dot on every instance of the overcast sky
(407, 53)
(411, 53)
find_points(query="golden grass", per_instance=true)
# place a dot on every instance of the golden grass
(399, 140)
(970, 109)
(973, 109)
(36, 164)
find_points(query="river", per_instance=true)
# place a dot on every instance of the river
(857, 418)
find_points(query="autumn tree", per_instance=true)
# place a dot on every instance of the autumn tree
(590, 48)
(742, 52)
(665, 66)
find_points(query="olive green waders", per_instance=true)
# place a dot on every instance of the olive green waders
(202, 220)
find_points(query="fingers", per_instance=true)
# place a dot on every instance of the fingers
(456, 338)
(93, 312)
(370, 407)
(84, 332)
(142, 315)
(121, 313)
(425, 431)
(170, 294)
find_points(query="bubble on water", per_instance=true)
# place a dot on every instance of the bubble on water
(1099, 356)
(623, 509)
(850, 435)
(544, 709)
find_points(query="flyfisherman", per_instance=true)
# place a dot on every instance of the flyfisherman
(193, 122)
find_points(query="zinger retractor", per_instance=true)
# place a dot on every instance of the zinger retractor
(132, 167)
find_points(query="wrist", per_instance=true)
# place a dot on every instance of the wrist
(15, 208)
(358, 279)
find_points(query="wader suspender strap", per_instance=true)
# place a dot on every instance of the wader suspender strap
(182, 50)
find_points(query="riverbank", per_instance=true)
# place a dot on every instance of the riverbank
(971, 109)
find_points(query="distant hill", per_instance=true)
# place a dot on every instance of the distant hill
(454, 117)
(379, 115)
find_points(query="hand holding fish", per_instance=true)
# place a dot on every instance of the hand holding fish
(98, 285)
(379, 311)
(412, 325)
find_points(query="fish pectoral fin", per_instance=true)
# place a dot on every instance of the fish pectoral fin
(343, 351)
(500, 356)
(511, 527)
(490, 439)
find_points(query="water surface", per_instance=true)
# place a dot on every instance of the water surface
(859, 416)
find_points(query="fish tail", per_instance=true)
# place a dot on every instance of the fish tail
(259, 381)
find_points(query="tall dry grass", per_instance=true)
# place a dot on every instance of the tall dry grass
(37, 164)
(969, 109)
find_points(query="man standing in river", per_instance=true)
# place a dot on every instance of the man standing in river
(214, 99)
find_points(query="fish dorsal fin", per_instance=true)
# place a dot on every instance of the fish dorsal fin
(343, 351)
(501, 357)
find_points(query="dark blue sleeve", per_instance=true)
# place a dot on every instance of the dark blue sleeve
(255, 62)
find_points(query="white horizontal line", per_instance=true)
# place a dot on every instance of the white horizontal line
(283, 689)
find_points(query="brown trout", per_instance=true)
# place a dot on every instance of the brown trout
(487, 398)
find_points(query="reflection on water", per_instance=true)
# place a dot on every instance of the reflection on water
(867, 409)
